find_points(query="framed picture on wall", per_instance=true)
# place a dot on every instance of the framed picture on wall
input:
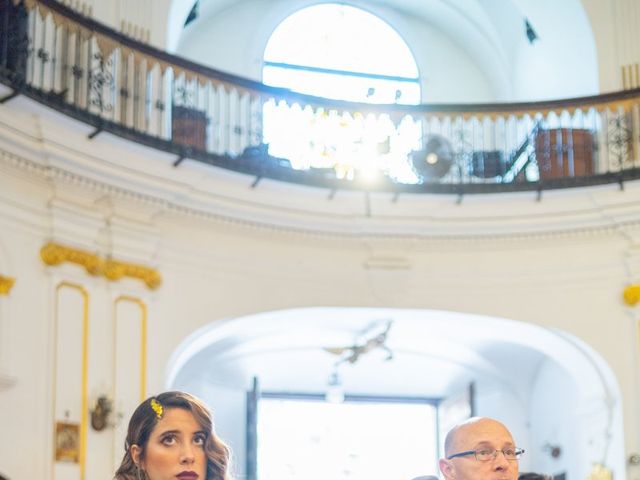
(67, 442)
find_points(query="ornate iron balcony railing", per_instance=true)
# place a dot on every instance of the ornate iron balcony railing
(116, 84)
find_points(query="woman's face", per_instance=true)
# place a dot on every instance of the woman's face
(175, 450)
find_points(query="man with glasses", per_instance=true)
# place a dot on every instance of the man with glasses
(480, 449)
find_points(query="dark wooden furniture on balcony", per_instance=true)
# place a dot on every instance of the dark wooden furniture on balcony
(564, 152)
(189, 127)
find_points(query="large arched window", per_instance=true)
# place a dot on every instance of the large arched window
(342, 52)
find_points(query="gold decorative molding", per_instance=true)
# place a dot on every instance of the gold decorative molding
(115, 270)
(54, 254)
(84, 389)
(143, 342)
(631, 294)
(6, 283)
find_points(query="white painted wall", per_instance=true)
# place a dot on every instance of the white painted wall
(226, 251)
(562, 63)
(554, 406)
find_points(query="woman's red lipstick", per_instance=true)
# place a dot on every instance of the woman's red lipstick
(187, 475)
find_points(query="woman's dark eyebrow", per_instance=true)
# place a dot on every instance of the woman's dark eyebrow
(176, 432)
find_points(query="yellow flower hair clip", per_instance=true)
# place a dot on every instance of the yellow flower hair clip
(155, 405)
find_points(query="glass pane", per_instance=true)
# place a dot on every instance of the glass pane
(343, 87)
(348, 146)
(353, 146)
(316, 440)
(343, 38)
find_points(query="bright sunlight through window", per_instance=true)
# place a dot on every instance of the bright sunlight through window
(341, 52)
(316, 440)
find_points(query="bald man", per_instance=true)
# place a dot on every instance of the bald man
(480, 449)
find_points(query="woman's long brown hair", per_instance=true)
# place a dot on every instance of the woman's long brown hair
(144, 420)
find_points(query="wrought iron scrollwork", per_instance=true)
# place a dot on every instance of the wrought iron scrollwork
(184, 97)
(99, 78)
(212, 117)
(619, 134)
(43, 55)
(462, 150)
(77, 71)
(15, 43)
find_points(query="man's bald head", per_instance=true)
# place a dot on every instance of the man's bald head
(472, 435)
(474, 423)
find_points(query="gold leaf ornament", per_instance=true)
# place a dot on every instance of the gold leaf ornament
(631, 294)
(6, 283)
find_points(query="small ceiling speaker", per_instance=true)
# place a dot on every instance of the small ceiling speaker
(434, 160)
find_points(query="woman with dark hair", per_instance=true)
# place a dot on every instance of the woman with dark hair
(171, 436)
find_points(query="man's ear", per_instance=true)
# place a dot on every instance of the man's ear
(135, 451)
(447, 469)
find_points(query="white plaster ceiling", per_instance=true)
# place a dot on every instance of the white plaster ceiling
(491, 32)
(439, 351)
(484, 29)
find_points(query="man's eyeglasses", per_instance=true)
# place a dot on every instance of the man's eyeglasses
(486, 455)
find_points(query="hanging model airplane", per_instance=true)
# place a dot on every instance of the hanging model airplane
(352, 353)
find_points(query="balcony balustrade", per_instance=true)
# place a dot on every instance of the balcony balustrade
(116, 84)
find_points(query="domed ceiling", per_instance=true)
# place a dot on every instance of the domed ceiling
(491, 32)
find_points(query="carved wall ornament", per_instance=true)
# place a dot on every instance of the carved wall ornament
(100, 413)
(6, 283)
(631, 294)
(115, 270)
(54, 254)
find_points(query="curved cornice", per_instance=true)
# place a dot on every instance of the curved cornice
(393, 229)
(57, 151)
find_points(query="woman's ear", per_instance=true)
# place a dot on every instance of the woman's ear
(135, 451)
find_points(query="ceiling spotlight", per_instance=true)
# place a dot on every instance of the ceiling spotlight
(334, 393)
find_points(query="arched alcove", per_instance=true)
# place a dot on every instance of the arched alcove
(548, 386)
